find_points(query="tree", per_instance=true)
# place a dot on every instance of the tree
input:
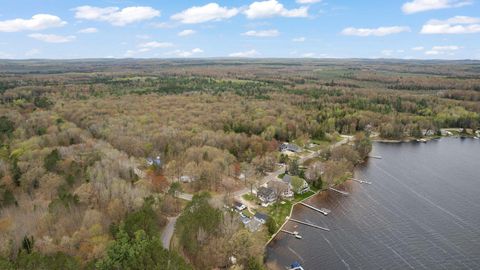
(6, 127)
(50, 162)
(175, 187)
(293, 167)
(27, 244)
(362, 144)
(144, 219)
(139, 252)
(271, 225)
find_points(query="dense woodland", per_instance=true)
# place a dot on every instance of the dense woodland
(75, 134)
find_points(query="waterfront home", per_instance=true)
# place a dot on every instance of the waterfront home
(281, 188)
(290, 147)
(266, 195)
(260, 217)
(297, 184)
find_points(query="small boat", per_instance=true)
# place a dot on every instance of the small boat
(298, 236)
(476, 138)
(295, 232)
(296, 266)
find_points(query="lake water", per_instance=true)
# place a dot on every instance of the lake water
(421, 212)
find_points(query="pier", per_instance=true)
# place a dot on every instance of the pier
(377, 157)
(361, 181)
(322, 210)
(309, 224)
(339, 191)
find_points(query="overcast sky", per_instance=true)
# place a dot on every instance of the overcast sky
(420, 29)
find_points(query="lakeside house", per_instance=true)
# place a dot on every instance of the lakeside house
(266, 195)
(281, 188)
(290, 147)
(297, 184)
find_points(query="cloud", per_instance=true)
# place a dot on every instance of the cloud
(419, 48)
(272, 8)
(250, 53)
(379, 32)
(454, 25)
(307, 2)
(425, 5)
(4, 55)
(299, 39)
(155, 45)
(441, 50)
(32, 52)
(51, 38)
(115, 15)
(146, 47)
(163, 25)
(89, 30)
(37, 22)
(308, 55)
(186, 32)
(180, 53)
(262, 33)
(201, 14)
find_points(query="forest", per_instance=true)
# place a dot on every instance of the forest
(76, 191)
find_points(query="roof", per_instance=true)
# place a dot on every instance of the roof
(238, 203)
(259, 215)
(291, 147)
(265, 192)
(287, 178)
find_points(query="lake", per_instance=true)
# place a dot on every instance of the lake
(422, 211)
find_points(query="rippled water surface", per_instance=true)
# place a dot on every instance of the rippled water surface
(421, 212)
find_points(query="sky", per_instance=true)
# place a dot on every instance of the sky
(405, 29)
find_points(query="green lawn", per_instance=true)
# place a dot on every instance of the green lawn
(249, 197)
(279, 211)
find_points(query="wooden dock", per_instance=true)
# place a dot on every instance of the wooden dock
(377, 157)
(339, 191)
(309, 224)
(324, 211)
(361, 181)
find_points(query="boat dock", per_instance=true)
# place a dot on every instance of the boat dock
(321, 210)
(361, 181)
(377, 157)
(309, 224)
(339, 191)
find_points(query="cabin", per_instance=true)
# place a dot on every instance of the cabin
(260, 217)
(290, 147)
(266, 195)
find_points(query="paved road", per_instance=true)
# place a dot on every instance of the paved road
(185, 196)
(168, 231)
